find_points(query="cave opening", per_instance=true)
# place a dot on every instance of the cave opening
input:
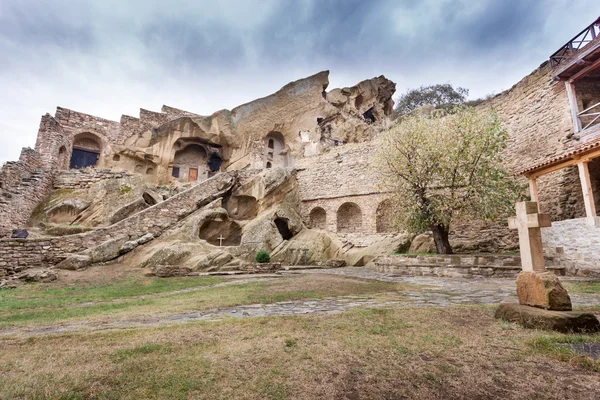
(283, 228)
(369, 116)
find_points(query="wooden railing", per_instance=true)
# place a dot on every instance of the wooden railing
(591, 114)
(582, 39)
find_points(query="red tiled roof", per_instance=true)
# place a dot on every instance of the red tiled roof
(580, 149)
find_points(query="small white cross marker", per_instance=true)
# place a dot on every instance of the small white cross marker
(221, 240)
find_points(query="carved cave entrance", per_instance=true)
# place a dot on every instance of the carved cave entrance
(212, 230)
(283, 228)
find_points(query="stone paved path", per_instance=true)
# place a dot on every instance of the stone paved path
(455, 291)
(434, 292)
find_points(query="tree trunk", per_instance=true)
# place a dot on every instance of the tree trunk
(440, 237)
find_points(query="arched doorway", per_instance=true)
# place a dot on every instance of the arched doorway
(349, 218)
(190, 163)
(318, 218)
(384, 217)
(86, 150)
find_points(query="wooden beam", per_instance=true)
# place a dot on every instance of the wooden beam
(533, 192)
(585, 71)
(572, 95)
(586, 187)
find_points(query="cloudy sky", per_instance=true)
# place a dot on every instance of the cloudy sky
(111, 57)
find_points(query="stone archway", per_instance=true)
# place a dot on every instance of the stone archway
(384, 217)
(87, 148)
(349, 218)
(318, 218)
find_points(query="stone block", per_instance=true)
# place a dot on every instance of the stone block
(537, 318)
(75, 262)
(108, 250)
(543, 290)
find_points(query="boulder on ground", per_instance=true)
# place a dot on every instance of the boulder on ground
(543, 290)
(39, 275)
(423, 243)
(212, 261)
(75, 262)
(108, 250)
(170, 255)
(166, 271)
(537, 318)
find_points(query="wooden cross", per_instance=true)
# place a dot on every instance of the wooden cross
(221, 240)
(529, 223)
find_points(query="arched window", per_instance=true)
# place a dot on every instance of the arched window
(271, 144)
(269, 164)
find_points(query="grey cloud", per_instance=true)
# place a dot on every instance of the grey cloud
(108, 57)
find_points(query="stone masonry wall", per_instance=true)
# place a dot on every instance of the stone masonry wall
(85, 178)
(19, 254)
(538, 118)
(574, 245)
(23, 184)
(349, 173)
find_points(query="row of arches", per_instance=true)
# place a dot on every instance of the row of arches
(349, 218)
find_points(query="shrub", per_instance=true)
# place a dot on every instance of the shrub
(262, 256)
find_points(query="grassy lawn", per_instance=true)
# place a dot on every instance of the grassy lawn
(425, 353)
(363, 353)
(583, 287)
(44, 303)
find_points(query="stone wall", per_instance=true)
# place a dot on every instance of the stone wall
(537, 115)
(454, 266)
(349, 174)
(23, 184)
(18, 254)
(574, 245)
(85, 178)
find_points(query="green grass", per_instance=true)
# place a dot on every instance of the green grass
(583, 287)
(40, 304)
(548, 345)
